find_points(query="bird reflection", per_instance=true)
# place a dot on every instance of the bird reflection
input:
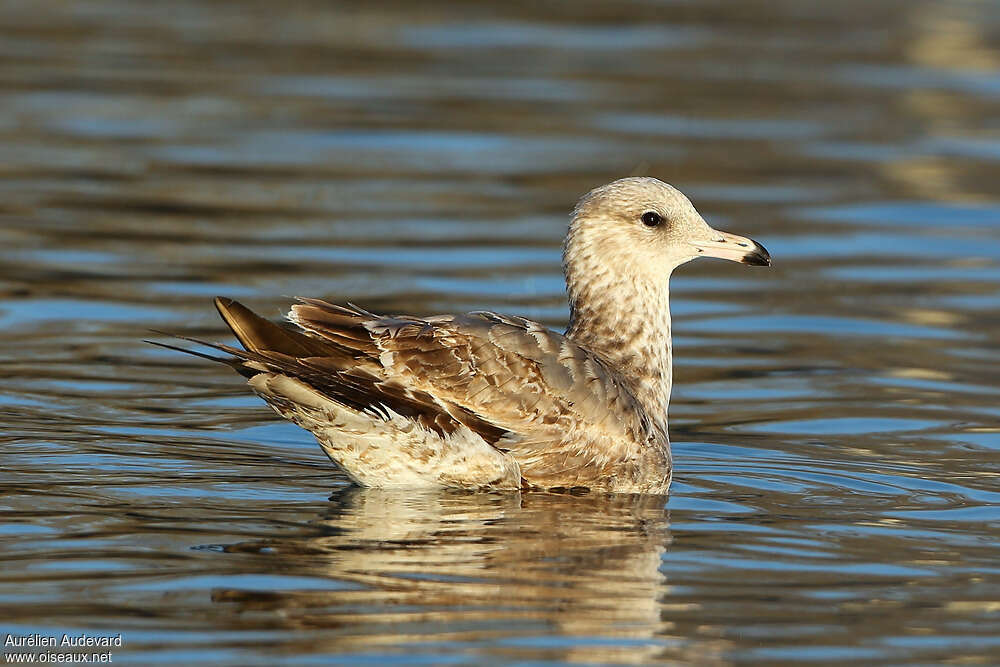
(444, 566)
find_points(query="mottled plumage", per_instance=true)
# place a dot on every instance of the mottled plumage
(488, 401)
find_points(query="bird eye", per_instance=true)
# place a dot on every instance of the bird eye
(651, 218)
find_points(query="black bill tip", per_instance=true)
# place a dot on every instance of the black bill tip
(758, 256)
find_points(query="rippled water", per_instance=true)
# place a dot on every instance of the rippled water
(835, 419)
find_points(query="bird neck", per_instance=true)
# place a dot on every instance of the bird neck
(625, 320)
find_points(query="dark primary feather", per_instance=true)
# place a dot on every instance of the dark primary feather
(256, 333)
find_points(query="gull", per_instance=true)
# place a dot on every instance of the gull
(494, 402)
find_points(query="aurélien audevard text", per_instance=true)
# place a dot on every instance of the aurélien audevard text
(36, 640)
(55, 649)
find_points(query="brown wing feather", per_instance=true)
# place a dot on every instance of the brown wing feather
(257, 334)
(343, 366)
(562, 409)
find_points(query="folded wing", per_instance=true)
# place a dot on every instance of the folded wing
(525, 390)
(559, 411)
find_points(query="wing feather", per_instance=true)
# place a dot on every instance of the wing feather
(558, 406)
(558, 409)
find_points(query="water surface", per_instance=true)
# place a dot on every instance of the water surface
(835, 418)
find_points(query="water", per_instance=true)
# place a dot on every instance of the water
(835, 420)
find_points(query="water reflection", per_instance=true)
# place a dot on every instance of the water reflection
(467, 566)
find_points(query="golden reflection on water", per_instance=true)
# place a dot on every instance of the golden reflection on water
(473, 566)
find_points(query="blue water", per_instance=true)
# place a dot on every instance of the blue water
(834, 420)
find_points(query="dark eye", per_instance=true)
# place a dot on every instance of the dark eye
(651, 218)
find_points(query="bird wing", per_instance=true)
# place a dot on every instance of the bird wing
(556, 407)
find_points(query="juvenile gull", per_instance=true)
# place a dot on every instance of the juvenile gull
(488, 401)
